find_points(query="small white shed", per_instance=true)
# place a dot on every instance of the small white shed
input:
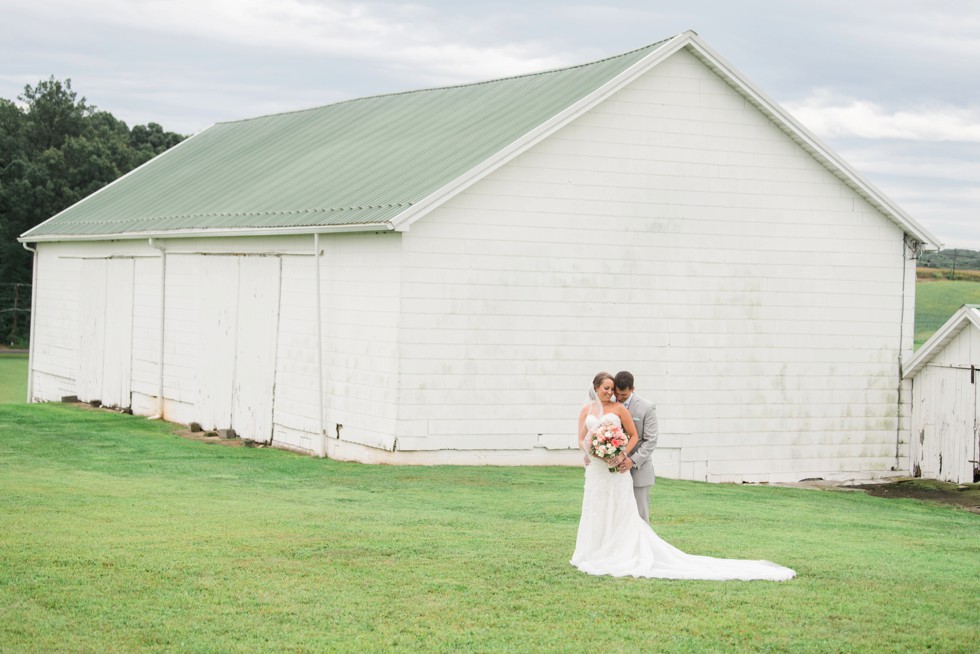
(945, 375)
(436, 276)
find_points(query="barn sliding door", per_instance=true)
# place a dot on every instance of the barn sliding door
(117, 361)
(258, 332)
(218, 315)
(239, 326)
(105, 346)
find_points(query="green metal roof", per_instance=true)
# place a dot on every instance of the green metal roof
(359, 162)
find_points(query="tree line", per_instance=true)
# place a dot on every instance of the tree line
(952, 259)
(55, 149)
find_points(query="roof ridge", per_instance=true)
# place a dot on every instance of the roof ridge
(448, 87)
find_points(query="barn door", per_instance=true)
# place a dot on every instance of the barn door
(105, 348)
(218, 315)
(258, 333)
(239, 328)
(91, 339)
(117, 358)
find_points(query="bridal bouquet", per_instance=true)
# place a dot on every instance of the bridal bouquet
(607, 442)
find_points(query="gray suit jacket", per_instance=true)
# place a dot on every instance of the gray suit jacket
(645, 417)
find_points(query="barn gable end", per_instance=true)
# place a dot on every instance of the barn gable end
(757, 297)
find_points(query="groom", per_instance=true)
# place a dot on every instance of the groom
(638, 461)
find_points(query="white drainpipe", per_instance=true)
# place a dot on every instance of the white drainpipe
(163, 315)
(30, 343)
(322, 445)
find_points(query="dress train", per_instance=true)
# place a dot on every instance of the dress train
(614, 540)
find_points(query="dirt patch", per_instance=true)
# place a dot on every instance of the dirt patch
(183, 431)
(965, 496)
(209, 437)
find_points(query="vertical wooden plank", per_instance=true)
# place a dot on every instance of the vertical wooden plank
(117, 360)
(918, 417)
(218, 311)
(931, 385)
(975, 444)
(91, 338)
(257, 342)
(974, 360)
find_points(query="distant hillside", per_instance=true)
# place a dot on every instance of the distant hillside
(951, 259)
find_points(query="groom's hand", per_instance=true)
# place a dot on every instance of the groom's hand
(625, 465)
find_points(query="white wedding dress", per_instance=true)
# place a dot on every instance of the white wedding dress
(614, 540)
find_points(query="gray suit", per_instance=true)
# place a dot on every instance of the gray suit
(645, 418)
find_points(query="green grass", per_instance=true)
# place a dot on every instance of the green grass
(118, 536)
(13, 378)
(937, 301)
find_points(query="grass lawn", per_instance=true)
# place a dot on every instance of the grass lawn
(936, 301)
(13, 378)
(118, 536)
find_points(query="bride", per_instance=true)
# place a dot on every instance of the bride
(612, 537)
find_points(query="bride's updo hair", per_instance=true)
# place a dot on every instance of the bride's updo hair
(601, 377)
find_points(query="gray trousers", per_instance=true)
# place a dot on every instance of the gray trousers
(642, 495)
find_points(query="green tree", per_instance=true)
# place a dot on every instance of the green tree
(56, 149)
(54, 113)
(147, 141)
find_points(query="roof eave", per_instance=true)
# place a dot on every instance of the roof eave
(213, 232)
(968, 313)
(26, 238)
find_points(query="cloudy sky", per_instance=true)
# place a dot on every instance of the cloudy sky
(891, 85)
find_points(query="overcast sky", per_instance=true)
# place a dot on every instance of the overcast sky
(891, 85)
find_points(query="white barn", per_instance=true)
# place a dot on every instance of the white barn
(945, 376)
(435, 277)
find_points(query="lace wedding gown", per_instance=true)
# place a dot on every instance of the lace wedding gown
(614, 540)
